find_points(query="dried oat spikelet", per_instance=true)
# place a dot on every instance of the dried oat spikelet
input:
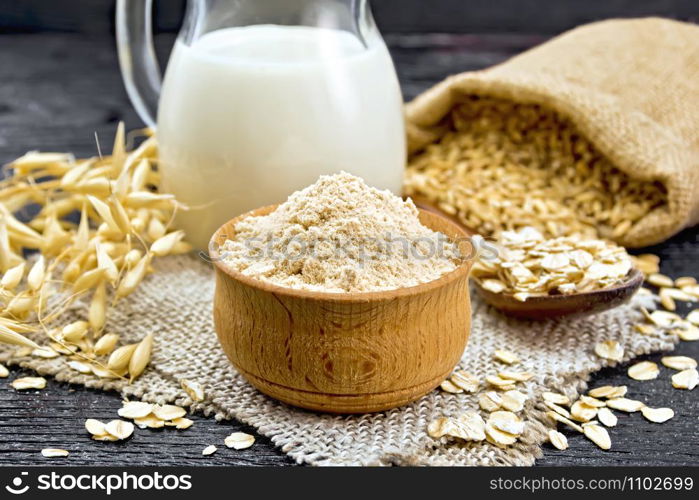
(105, 213)
(109, 192)
(133, 278)
(119, 359)
(193, 389)
(35, 278)
(13, 277)
(88, 280)
(74, 332)
(5, 249)
(8, 336)
(156, 229)
(141, 357)
(97, 314)
(106, 344)
(140, 176)
(106, 264)
(164, 246)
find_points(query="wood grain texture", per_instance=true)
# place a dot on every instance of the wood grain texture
(57, 90)
(406, 16)
(342, 353)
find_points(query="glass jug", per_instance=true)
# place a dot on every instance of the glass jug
(260, 97)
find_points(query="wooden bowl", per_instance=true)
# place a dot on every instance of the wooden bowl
(556, 306)
(343, 352)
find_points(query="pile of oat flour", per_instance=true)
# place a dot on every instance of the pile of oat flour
(340, 235)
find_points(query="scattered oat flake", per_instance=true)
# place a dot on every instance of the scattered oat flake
(518, 376)
(490, 401)
(120, 429)
(105, 437)
(513, 401)
(497, 437)
(686, 379)
(660, 280)
(677, 294)
(29, 383)
(149, 422)
(556, 398)
(598, 435)
(168, 412)
(624, 404)
(54, 452)
(560, 418)
(608, 391)
(80, 367)
(645, 370)
(688, 334)
(666, 301)
(679, 362)
(103, 373)
(657, 415)
(685, 281)
(23, 352)
(558, 440)
(239, 441)
(664, 319)
(183, 423)
(590, 401)
(693, 317)
(610, 349)
(498, 381)
(209, 450)
(450, 387)
(193, 389)
(135, 409)
(582, 412)
(438, 427)
(45, 352)
(507, 357)
(645, 329)
(558, 409)
(607, 417)
(506, 421)
(95, 427)
(469, 427)
(465, 381)
(4, 372)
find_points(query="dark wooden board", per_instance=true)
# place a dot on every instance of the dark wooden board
(406, 16)
(56, 90)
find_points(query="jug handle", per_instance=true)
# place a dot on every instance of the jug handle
(137, 59)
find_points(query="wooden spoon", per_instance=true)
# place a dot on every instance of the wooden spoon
(555, 306)
(551, 306)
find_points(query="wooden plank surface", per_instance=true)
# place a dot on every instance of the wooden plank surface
(57, 90)
(405, 16)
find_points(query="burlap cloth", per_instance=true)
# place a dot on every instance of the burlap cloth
(175, 303)
(630, 86)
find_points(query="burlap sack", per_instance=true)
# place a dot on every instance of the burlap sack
(630, 86)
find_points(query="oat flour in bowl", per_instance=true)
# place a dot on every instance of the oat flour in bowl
(340, 235)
